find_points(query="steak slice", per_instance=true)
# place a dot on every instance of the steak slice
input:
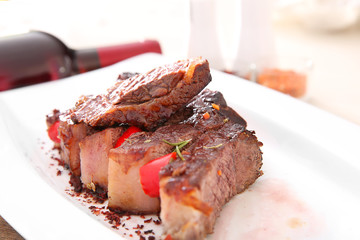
(220, 164)
(94, 150)
(71, 133)
(70, 136)
(145, 100)
(125, 192)
(211, 102)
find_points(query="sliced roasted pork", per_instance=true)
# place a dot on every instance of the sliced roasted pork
(94, 150)
(145, 100)
(125, 192)
(220, 164)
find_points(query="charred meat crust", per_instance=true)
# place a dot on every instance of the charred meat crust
(52, 117)
(220, 164)
(145, 100)
(204, 103)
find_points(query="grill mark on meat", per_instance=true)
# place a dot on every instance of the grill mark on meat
(200, 176)
(145, 100)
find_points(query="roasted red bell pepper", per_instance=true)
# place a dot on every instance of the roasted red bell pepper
(53, 132)
(130, 131)
(149, 174)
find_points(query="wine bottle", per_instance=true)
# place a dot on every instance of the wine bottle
(37, 57)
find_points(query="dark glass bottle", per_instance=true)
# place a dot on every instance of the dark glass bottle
(37, 57)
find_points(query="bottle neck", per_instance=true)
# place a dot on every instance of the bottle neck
(85, 60)
(114, 54)
(91, 59)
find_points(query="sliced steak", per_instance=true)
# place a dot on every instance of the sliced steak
(94, 150)
(125, 191)
(145, 100)
(70, 136)
(212, 103)
(220, 164)
(71, 133)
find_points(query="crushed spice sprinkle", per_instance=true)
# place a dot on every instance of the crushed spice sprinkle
(206, 116)
(219, 172)
(215, 106)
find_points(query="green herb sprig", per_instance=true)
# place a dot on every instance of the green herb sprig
(178, 146)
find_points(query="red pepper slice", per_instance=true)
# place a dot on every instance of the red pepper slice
(53, 132)
(149, 174)
(130, 131)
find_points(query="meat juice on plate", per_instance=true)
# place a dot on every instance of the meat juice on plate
(267, 210)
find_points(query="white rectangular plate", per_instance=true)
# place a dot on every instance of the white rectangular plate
(310, 188)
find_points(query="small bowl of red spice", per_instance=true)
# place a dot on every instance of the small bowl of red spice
(288, 75)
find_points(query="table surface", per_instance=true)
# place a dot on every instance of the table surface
(7, 232)
(334, 83)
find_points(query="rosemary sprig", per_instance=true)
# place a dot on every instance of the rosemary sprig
(216, 146)
(178, 146)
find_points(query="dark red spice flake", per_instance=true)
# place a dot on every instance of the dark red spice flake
(149, 231)
(138, 232)
(142, 237)
(148, 220)
(113, 218)
(58, 173)
(139, 227)
(151, 238)
(157, 222)
(58, 160)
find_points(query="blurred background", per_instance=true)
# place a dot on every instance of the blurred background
(237, 36)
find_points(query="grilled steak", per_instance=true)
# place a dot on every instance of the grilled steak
(213, 103)
(94, 151)
(220, 164)
(125, 192)
(222, 159)
(70, 136)
(145, 100)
